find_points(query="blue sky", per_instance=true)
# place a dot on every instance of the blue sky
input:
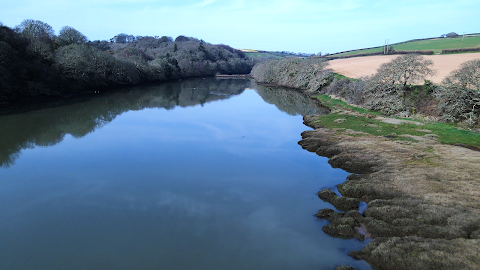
(308, 26)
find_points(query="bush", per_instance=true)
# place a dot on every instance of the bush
(384, 97)
(467, 76)
(459, 94)
(355, 92)
(459, 105)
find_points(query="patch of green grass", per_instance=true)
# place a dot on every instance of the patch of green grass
(339, 104)
(341, 77)
(372, 50)
(369, 126)
(449, 134)
(363, 122)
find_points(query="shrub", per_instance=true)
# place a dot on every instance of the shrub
(355, 92)
(467, 76)
(459, 94)
(384, 97)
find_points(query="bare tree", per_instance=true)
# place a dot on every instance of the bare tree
(405, 69)
(385, 90)
(68, 35)
(40, 35)
(35, 30)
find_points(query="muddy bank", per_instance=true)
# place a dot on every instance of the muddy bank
(423, 198)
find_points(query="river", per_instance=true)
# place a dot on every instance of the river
(195, 174)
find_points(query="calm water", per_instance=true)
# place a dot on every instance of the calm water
(199, 174)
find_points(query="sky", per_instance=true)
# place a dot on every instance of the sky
(306, 26)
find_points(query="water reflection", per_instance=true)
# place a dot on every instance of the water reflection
(290, 101)
(48, 123)
(219, 186)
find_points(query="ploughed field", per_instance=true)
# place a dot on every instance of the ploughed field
(357, 67)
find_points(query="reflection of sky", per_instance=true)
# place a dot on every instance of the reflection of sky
(213, 187)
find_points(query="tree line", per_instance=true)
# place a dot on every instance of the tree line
(393, 90)
(35, 62)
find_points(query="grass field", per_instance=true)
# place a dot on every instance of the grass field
(435, 45)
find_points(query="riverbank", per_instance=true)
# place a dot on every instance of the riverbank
(423, 203)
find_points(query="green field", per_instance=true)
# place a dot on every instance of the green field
(435, 45)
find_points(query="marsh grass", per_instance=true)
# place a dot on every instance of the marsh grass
(369, 126)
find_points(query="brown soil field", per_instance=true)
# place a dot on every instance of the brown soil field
(357, 67)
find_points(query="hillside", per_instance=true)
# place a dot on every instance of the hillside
(433, 44)
(36, 63)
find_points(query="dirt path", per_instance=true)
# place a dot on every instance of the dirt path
(357, 67)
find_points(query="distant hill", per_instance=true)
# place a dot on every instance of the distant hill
(439, 45)
(428, 46)
(264, 55)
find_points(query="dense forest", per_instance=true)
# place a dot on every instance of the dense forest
(34, 62)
